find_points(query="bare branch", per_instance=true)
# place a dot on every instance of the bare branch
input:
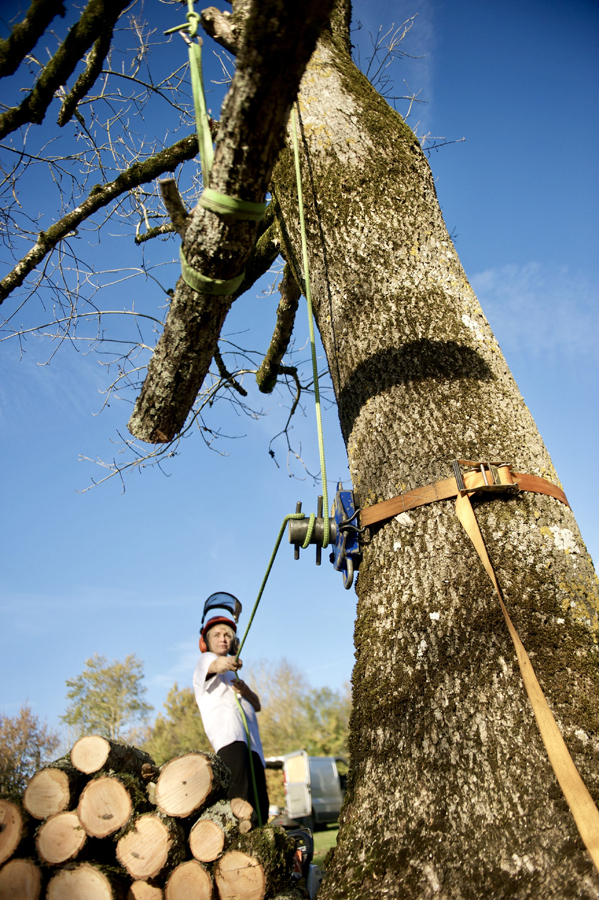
(87, 79)
(226, 376)
(99, 196)
(96, 17)
(26, 34)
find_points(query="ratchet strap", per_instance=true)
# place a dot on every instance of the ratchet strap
(489, 477)
(495, 478)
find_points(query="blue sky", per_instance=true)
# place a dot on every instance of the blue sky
(117, 573)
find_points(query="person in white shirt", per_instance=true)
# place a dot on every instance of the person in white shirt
(216, 685)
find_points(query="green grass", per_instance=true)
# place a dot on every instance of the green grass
(323, 841)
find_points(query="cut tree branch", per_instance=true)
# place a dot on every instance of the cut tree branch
(96, 18)
(278, 42)
(266, 377)
(27, 33)
(99, 196)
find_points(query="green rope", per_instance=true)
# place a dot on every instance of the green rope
(265, 579)
(199, 102)
(259, 597)
(323, 471)
(249, 745)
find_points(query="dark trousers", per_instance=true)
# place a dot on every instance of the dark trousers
(235, 757)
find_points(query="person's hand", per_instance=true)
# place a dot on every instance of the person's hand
(224, 664)
(240, 687)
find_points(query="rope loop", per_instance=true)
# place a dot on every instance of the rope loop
(193, 20)
(308, 537)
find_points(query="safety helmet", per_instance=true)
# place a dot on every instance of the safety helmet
(218, 620)
(227, 602)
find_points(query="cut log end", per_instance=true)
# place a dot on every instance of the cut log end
(184, 784)
(20, 879)
(206, 840)
(12, 829)
(90, 753)
(144, 851)
(84, 882)
(190, 879)
(244, 826)
(60, 838)
(47, 793)
(143, 890)
(241, 808)
(104, 807)
(240, 877)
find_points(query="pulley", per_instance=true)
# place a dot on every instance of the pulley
(344, 534)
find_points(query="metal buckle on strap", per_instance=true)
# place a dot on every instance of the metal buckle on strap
(490, 473)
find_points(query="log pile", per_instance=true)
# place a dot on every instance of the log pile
(105, 823)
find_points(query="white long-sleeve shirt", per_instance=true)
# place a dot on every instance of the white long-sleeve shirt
(218, 707)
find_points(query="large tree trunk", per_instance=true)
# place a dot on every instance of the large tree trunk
(450, 791)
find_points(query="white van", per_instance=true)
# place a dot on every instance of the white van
(314, 786)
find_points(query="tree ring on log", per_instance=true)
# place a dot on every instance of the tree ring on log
(206, 840)
(104, 806)
(47, 793)
(82, 882)
(238, 875)
(60, 838)
(90, 753)
(21, 879)
(184, 784)
(190, 879)
(11, 829)
(143, 890)
(144, 850)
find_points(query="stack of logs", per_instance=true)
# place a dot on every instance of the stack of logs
(106, 824)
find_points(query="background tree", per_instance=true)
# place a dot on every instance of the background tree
(296, 716)
(107, 698)
(26, 744)
(179, 729)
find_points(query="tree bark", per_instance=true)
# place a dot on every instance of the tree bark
(22, 879)
(450, 791)
(53, 789)
(188, 782)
